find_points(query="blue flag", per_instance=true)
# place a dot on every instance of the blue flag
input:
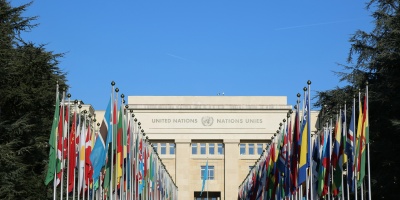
(98, 154)
(205, 177)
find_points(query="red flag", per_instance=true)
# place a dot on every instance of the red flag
(60, 140)
(88, 163)
(72, 156)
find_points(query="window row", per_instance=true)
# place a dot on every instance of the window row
(165, 148)
(251, 148)
(207, 148)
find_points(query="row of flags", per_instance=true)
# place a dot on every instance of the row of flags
(113, 161)
(299, 165)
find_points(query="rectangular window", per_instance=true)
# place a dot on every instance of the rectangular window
(210, 172)
(194, 148)
(203, 148)
(211, 148)
(220, 149)
(251, 149)
(163, 148)
(172, 148)
(242, 149)
(259, 149)
(155, 146)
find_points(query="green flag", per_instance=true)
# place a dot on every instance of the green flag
(51, 168)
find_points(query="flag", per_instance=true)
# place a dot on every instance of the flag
(288, 162)
(51, 168)
(88, 163)
(327, 162)
(98, 154)
(357, 155)
(316, 159)
(304, 145)
(336, 143)
(323, 173)
(60, 139)
(338, 164)
(129, 154)
(119, 157)
(205, 177)
(110, 147)
(281, 162)
(82, 141)
(295, 152)
(350, 152)
(72, 155)
(140, 167)
(363, 144)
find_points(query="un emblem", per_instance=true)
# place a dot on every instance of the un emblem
(207, 120)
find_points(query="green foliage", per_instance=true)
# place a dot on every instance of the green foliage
(374, 57)
(28, 76)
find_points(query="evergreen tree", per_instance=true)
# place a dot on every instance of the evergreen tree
(374, 57)
(28, 76)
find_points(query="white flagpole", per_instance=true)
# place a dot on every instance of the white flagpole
(347, 164)
(131, 157)
(88, 189)
(289, 144)
(355, 154)
(62, 145)
(309, 139)
(76, 131)
(116, 151)
(133, 193)
(369, 167)
(121, 181)
(69, 110)
(298, 189)
(344, 127)
(207, 178)
(301, 122)
(362, 191)
(330, 156)
(79, 150)
(112, 140)
(342, 187)
(84, 162)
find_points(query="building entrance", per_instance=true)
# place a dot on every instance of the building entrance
(211, 195)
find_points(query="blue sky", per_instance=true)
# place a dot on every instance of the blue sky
(197, 47)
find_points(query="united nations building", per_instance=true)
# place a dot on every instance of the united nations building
(227, 132)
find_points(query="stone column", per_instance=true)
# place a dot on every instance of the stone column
(231, 158)
(182, 168)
